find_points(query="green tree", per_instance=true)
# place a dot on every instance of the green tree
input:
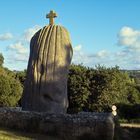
(98, 89)
(10, 89)
(21, 76)
(1, 59)
(78, 88)
(108, 86)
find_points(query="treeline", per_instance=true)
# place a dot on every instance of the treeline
(98, 89)
(93, 90)
(10, 87)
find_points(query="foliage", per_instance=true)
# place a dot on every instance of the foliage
(108, 86)
(98, 89)
(129, 111)
(21, 76)
(1, 59)
(78, 88)
(88, 89)
(133, 94)
(10, 89)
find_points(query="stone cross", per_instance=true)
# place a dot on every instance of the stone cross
(51, 16)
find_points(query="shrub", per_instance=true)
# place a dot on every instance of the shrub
(96, 90)
(78, 88)
(129, 111)
(10, 90)
(1, 59)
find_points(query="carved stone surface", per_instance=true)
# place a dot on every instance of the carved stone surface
(46, 83)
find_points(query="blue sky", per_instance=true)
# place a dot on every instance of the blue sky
(105, 32)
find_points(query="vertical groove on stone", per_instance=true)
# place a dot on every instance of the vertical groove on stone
(33, 48)
(57, 55)
(56, 42)
(53, 51)
(38, 47)
(50, 56)
(47, 56)
(40, 35)
(42, 54)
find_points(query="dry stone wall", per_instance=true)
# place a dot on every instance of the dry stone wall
(91, 126)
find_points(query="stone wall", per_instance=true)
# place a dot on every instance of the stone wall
(91, 126)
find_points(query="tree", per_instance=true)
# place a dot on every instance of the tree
(98, 89)
(78, 88)
(10, 89)
(21, 76)
(108, 86)
(1, 59)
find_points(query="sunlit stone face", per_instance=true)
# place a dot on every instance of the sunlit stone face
(46, 84)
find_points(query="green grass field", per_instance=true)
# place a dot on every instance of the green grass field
(8, 134)
(128, 132)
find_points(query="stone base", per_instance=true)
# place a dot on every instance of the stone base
(91, 126)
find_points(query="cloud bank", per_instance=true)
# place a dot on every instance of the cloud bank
(18, 51)
(128, 56)
(6, 36)
(30, 32)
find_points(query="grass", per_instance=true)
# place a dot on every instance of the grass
(133, 121)
(127, 131)
(8, 134)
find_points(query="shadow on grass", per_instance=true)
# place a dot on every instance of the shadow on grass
(16, 135)
(130, 133)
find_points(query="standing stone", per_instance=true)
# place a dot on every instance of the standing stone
(46, 83)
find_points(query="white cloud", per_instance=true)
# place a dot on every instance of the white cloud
(18, 48)
(77, 48)
(128, 37)
(102, 54)
(6, 36)
(30, 32)
(15, 58)
(128, 56)
(81, 57)
(129, 32)
(21, 57)
(18, 52)
(77, 54)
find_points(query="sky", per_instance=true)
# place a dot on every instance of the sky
(105, 32)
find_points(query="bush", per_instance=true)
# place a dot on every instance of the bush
(10, 90)
(98, 89)
(108, 86)
(1, 59)
(129, 111)
(21, 76)
(78, 88)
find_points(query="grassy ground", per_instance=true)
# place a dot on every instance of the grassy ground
(128, 132)
(8, 134)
